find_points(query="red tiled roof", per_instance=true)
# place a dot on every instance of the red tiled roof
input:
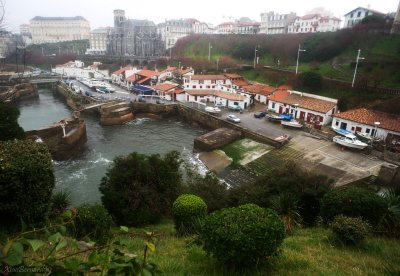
(240, 83)
(259, 88)
(285, 87)
(176, 91)
(143, 80)
(122, 70)
(147, 73)
(233, 76)
(185, 71)
(165, 86)
(221, 94)
(369, 117)
(207, 77)
(226, 23)
(310, 16)
(303, 101)
(170, 69)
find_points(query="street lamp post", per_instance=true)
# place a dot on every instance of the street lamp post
(209, 51)
(376, 130)
(255, 56)
(355, 70)
(298, 55)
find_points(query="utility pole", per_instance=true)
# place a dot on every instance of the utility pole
(209, 51)
(298, 55)
(355, 69)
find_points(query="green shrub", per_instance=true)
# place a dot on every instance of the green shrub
(187, 210)
(242, 236)
(9, 127)
(287, 207)
(390, 224)
(26, 182)
(140, 189)
(60, 202)
(92, 223)
(353, 202)
(350, 231)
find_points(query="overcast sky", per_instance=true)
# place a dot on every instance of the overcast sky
(100, 12)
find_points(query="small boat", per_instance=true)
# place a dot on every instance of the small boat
(273, 118)
(349, 141)
(286, 117)
(213, 110)
(292, 123)
(283, 138)
(366, 138)
(342, 131)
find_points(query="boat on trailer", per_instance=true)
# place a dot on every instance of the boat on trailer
(279, 117)
(349, 141)
(292, 123)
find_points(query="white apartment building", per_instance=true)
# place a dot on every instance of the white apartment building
(312, 23)
(247, 28)
(56, 29)
(355, 16)
(77, 69)
(274, 23)
(98, 41)
(226, 28)
(206, 82)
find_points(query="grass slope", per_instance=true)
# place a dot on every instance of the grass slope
(306, 252)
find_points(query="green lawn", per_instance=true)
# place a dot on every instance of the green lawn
(306, 252)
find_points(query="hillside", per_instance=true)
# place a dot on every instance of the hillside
(331, 54)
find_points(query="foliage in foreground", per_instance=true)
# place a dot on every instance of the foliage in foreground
(187, 210)
(140, 189)
(242, 236)
(9, 127)
(353, 202)
(48, 251)
(26, 182)
(350, 231)
(92, 223)
(60, 202)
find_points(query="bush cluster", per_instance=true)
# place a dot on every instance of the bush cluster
(242, 235)
(187, 210)
(26, 182)
(92, 223)
(350, 231)
(353, 202)
(140, 189)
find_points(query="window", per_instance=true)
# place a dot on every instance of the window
(194, 86)
(337, 123)
(351, 15)
(368, 130)
(201, 81)
(359, 14)
(273, 105)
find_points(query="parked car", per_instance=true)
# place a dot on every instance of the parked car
(260, 114)
(232, 118)
(234, 107)
(220, 105)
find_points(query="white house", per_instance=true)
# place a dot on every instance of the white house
(206, 82)
(76, 69)
(312, 23)
(303, 106)
(222, 98)
(375, 123)
(165, 90)
(120, 75)
(226, 28)
(355, 16)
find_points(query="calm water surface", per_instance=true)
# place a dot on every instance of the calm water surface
(82, 174)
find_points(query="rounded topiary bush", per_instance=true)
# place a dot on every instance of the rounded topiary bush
(187, 210)
(26, 182)
(92, 223)
(242, 236)
(353, 202)
(350, 231)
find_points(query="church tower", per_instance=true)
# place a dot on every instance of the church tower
(396, 22)
(119, 18)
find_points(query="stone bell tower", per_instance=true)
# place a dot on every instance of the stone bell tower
(119, 18)
(396, 22)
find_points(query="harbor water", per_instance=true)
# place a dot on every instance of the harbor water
(82, 174)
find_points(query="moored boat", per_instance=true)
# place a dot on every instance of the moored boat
(273, 118)
(342, 131)
(349, 141)
(292, 123)
(366, 138)
(283, 138)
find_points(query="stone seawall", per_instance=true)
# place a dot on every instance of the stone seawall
(212, 122)
(62, 147)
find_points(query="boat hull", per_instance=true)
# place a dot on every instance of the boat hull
(354, 145)
(291, 124)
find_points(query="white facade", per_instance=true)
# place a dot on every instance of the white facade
(274, 23)
(205, 82)
(313, 23)
(355, 16)
(76, 70)
(56, 29)
(226, 28)
(98, 41)
(354, 126)
(300, 111)
(218, 97)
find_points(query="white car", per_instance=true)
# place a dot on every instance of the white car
(233, 118)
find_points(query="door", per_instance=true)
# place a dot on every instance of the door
(280, 109)
(358, 129)
(302, 115)
(343, 125)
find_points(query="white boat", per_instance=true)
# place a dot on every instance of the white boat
(349, 141)
(292, 123)
(212, 110)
